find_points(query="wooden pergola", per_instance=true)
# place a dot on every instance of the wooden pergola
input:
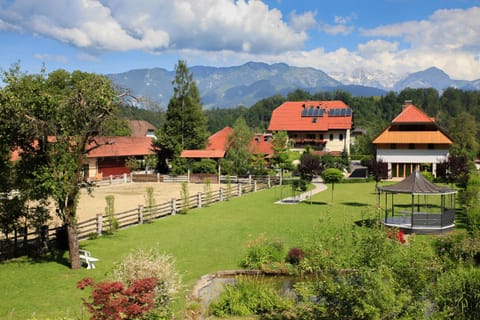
(421, 216)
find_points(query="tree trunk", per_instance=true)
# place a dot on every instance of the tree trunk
(73, 249)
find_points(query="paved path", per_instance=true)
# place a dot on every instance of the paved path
(319, 186)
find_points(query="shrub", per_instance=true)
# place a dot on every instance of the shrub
(247, 297)
(185, 195)
(205, 166)
(143, 264)
(427, 175)
(295, 255)
(456, 295)
(149, 204)
(113, 300)
(263, 253)
(112, 222)
(459, 247)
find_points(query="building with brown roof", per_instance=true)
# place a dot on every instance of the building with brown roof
(322, 125)
(412, 141)
(110, 158)
(141, 128)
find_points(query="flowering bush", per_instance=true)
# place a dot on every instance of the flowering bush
(142, 264)
(112, 300)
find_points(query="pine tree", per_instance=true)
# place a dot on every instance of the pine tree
(185, 125)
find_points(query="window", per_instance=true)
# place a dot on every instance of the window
(393, 146)
(331, 136)
(340, 137)
(431, 146)
(310, 136)
(321, 137)
(411, 146)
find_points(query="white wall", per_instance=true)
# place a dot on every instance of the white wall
(412, 155)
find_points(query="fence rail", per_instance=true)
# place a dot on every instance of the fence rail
(103, 224)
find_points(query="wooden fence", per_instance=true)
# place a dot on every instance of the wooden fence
(103, 224)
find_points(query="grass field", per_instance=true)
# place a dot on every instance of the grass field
(203, 241)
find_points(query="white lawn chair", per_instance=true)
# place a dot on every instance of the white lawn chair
(86, 257)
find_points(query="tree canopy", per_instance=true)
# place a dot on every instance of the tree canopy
(54, 119)
(185, 125)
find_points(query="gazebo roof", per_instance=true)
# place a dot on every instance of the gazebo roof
(416, 183)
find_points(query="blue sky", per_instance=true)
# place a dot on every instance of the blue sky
(111, 36)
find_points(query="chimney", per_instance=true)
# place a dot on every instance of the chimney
(407, 102)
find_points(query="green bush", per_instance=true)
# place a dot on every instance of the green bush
(457, 294)
(427, 175)
(263, 253)
(458, 247)
(248, 297)
(205, 166)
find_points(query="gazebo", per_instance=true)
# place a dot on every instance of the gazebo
(422, 214)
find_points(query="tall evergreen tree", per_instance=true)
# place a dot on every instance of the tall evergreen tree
(185, 124)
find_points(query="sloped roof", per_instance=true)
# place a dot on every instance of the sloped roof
(415, 184)
(427, 137)
(140, 128)
(122, 147)
(288, 117)
(261, 145)
(219, 140)
(203, 154)
(411, 114)
(217, 146)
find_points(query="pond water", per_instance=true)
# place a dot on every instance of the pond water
(210, 287)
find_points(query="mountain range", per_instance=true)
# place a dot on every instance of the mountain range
(228, 87)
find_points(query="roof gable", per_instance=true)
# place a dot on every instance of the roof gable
(411, 114)
(140, 128)
(219, 140)
(311, 116)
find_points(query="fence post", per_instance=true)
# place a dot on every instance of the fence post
(199, 200)
(239, 192)
(220, 194)
(140, 214)
(254, 185)
(99, 223)
(249, 179)
(174, 206)
(269, 185)
(125, 179)
(110, 179)
(158, 177)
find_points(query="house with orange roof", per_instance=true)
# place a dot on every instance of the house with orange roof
(322, 125)
(412, 141)
(218, 145)
(110, 158)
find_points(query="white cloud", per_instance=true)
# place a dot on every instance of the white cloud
(120, 25)
(450, 29)
(302, 22)
(48, 57)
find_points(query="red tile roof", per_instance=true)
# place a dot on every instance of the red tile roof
(288, 117)
(203, 154)
(219, 140)
(122, 147)
(411, 114)
(261, 144)
(218, 145)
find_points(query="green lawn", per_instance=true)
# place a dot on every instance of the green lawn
(203, 241)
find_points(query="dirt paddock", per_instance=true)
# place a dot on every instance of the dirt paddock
(131, 195)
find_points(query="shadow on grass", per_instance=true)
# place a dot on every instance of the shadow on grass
(355, 204)
(320, 203)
